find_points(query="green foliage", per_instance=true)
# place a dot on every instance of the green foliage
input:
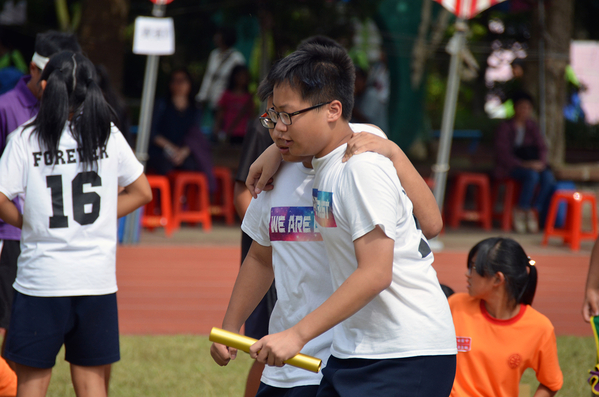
(181, 366)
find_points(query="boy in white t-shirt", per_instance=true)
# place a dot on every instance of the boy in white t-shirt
(395, 329)
(281, 224)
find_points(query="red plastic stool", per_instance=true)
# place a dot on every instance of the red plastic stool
(194, 205)
(572, 230)
(223, 197)
(509, 201)
(150, 218)
(482, 214)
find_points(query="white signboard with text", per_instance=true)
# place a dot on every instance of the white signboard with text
(154, 36)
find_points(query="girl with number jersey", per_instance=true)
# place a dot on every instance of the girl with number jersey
(69, 162)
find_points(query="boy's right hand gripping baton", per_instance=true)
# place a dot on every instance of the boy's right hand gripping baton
(243, 343)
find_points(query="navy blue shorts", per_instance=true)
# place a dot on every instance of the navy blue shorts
(299, 391)
(423, 376)
(87, 326)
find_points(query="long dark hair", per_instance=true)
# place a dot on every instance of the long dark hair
(505, 255)
(71, 90)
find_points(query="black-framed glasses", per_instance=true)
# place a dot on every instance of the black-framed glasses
(266, 121)
(286, 117)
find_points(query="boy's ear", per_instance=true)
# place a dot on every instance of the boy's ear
(335, 110)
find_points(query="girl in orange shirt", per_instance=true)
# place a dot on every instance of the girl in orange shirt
(498, 333)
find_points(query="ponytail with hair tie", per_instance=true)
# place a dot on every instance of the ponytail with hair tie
(65, 95)
(531, 286)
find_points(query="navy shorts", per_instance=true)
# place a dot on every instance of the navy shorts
(423, 376)
(299, 391)
(87, 326)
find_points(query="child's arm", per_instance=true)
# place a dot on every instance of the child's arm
(544, 391)
(590, 307)
(262, 170)
(425, 206)
(9, 212)
(134, 196)
(253, 281)
(241, 199)
(374, 252)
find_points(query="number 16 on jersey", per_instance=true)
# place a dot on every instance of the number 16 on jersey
(82, 214)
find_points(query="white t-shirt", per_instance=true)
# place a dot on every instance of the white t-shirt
(284, 219)
(409, 318)
(220, 66)
(68, 243)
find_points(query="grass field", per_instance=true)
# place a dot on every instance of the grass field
(181, 366)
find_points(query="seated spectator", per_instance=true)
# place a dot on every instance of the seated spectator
(177, 142)
(521, 153)
(499, 334)
(235, 107)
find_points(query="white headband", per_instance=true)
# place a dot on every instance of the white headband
(40, 61)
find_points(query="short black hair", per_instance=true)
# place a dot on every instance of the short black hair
(229, 35)
(52, 42)
(319, 39)
(264, 89)
(522, 96)
(321, 74)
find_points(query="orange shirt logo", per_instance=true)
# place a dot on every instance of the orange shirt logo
(514, 361)
(464, 343)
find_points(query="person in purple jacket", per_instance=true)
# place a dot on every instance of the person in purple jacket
(18, 106)
(521, 154)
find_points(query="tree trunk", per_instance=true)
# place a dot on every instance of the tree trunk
(559, 16)
(101, 35)
(559, 27)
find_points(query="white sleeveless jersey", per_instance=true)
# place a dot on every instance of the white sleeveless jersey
(68, 244)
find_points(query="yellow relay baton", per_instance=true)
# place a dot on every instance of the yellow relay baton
(243, 343)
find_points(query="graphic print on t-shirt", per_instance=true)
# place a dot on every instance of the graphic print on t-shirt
(464, 343)
(293, 224)
(323, 208)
